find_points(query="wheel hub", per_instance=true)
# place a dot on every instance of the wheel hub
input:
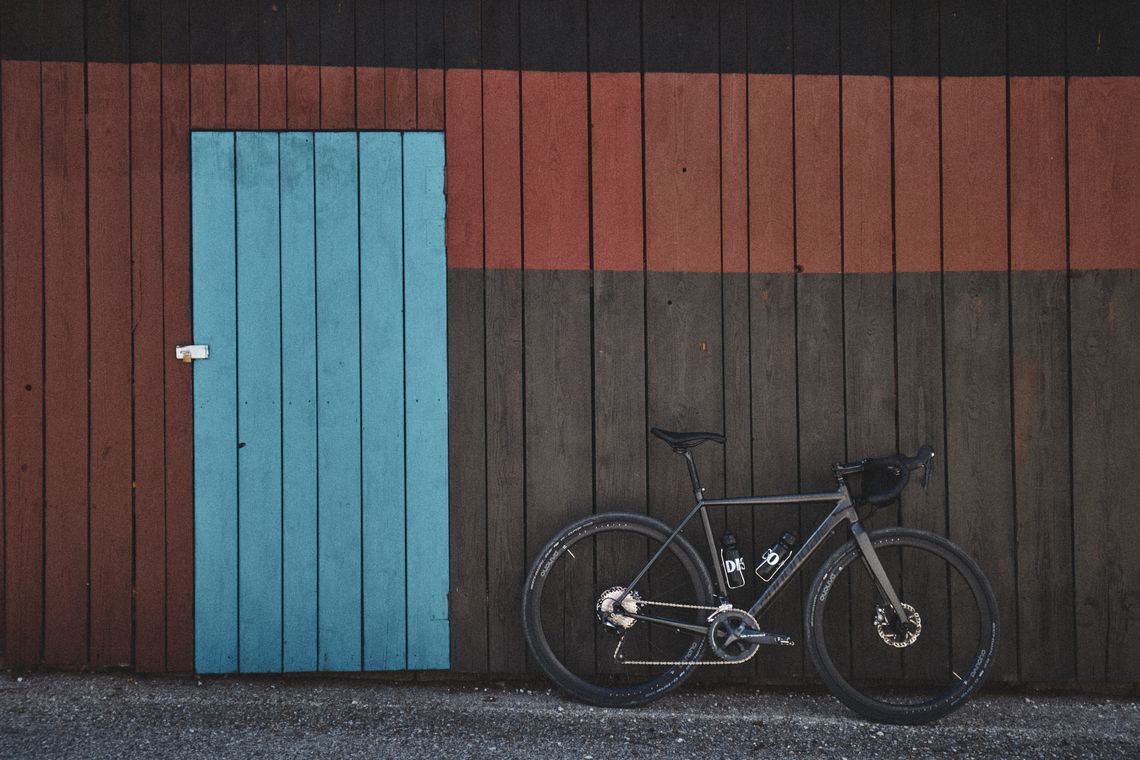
(894, 632)
(615, 619)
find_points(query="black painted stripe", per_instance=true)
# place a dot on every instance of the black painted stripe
(953, 38)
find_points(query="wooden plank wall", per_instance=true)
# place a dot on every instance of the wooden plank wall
(828, 229)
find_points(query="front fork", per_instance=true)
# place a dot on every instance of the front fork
(875, 568)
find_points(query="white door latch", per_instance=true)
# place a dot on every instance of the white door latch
(190, 353)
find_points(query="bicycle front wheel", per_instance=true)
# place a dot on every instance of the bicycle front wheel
(597, 652)
(893, 671)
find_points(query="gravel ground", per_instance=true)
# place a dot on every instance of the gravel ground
(108, 715)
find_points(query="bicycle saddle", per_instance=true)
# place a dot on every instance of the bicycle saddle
(685, 440)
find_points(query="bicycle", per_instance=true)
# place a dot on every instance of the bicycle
(922, 615)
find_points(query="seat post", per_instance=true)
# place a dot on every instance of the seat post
(698, 489)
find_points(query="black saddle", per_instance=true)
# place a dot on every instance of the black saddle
(681, 441)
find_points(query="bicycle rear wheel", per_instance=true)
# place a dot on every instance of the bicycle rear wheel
(571, 579)
(892, 672)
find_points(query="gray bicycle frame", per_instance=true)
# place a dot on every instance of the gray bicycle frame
(844, 510)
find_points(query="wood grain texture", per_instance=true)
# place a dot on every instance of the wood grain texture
(771, 199)
(917, 192)
(867, 238)
(467, 475)
(464, 145)
(979, 459)
(338, 97)
(1104, 173)
(178, 385)
(23, 362)
(1041, 457)
(108, 97)
(1106, 328)
(399, 97)
(65, 365)
(148, 356)
(974, 174)
(818, 186)
(241, 96)
(506, 463)
(682, 172)
(1037, 173)
(615, 135)
(555, 166)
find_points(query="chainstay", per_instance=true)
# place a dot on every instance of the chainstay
(721, 608)
(618, 659)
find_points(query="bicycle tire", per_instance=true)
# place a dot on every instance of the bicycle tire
(934, 685)
(568, 561)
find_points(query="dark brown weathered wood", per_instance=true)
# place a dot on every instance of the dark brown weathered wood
(918, 326)
(559, 456)
(1106, 416)
(506, 457)
(978, 435)
(467, 470)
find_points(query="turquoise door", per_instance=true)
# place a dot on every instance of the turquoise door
(320, 416)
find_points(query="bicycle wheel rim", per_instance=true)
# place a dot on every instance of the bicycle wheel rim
(581, 653)
(886, 675)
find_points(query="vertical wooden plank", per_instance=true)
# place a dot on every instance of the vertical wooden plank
(271, 49)
(1039, 343)
(683, 321)
(382, 409)
(429, 64)
(258, 385)
(556, 312)
(176, 275)
(734, 266)
(23, 362)
(369, 66)
(65, 365)
(148, 355)
(400, 63)
(241, 39)
(503, 309)
(338, 400)
(978, 413)
(108, 97)
(619, 259)
(772, 360)
(215, 404)
(618, 285)
(868, 288)
(466, 402)
(299, 404)
(425, 400)
(1106, 329)
(1103, 184)
(338, 83)
(207, 51)
(302, 74)
(1104, 173)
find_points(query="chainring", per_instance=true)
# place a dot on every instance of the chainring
(728, 635)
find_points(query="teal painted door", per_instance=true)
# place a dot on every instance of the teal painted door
(320, 416)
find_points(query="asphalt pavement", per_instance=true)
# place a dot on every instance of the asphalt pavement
(61, 715)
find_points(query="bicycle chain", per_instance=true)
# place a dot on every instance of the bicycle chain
(721, 608)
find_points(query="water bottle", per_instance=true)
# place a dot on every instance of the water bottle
(732, 561)
(774, 558)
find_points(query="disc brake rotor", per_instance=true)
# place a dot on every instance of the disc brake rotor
(889, 632)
